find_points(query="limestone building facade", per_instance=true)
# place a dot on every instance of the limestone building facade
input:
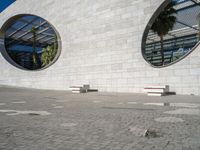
(101, 45)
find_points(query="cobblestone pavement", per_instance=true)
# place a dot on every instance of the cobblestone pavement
(58, 120)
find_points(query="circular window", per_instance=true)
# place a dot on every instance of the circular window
(172, 33)
(30, 42)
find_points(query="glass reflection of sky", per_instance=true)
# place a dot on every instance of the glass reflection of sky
(40, 38)
(24, 48)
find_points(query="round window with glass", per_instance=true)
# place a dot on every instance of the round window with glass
(172, 33)
(31, 42)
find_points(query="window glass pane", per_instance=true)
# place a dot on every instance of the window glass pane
(31, 42)
(173, 33)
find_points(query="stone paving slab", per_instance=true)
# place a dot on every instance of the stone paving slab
(96, 121)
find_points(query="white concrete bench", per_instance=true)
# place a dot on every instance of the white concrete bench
(80, 88)
(156, 90)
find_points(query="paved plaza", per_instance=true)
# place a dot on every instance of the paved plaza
(59, 120)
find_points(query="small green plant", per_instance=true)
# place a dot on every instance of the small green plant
(48, 54)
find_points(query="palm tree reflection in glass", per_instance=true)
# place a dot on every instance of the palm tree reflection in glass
(163, 24)
(34, 53)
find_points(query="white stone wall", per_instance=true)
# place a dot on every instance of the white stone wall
(101, 46)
